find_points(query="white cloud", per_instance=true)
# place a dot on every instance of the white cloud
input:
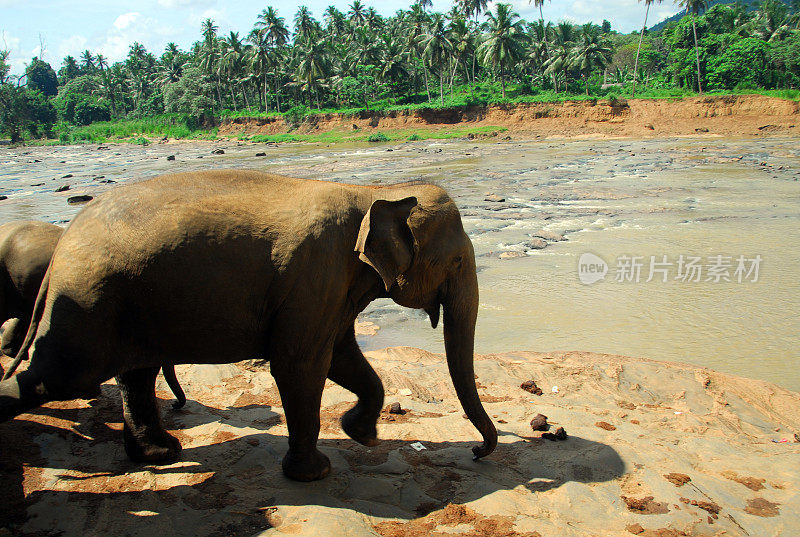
(184, 3)
(17, 59)
(198, 17)
(125, 20)
(74, 45)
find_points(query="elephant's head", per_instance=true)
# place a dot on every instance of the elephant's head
(415, 241)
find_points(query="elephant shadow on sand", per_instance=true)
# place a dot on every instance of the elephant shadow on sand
(228, 480)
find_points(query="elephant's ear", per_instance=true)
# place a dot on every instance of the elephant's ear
(385, 241)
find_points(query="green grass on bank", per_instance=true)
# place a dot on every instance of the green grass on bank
(390, 135)
(176, 126)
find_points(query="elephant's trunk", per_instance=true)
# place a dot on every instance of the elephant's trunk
(460, 305)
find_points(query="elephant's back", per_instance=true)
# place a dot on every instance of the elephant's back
(26, 247)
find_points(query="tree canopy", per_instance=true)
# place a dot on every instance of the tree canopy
(357, 58)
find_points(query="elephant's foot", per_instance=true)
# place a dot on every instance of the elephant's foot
(360, 428)
(306, 467)
(148, 446)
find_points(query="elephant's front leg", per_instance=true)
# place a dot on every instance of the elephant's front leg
(145, 437)
(300, 382)
(350, 370)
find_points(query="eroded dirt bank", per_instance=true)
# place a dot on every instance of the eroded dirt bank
(735, 115)
(653, 448)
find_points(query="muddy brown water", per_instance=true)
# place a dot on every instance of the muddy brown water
(617, 199)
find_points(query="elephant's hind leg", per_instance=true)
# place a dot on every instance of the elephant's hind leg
(13, 336)
(350, 370)
(300, 386)
(145, 437)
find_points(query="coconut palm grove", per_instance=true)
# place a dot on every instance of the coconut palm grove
(476, 54)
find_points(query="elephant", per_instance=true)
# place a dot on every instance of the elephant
(222, 266)
(26, 247)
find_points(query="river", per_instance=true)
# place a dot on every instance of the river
(716, 220)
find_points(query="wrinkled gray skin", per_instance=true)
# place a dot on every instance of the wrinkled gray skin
(26, 247)
(218, 267)
(25, 250)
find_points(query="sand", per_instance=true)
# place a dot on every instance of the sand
(653, 448)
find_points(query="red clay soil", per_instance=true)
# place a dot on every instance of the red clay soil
(734, 115)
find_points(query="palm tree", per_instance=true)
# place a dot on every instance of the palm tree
(357, 13)
(436, 47)
(593, 52)
(312, 68)
(273, 31)
(305, 27)
(504, 46)
(101, 62)
(772, 21)
(210, 52)
(695, 6)
(232, 64)
(539, 4)
(416, 23)
(537, 53)
(647, 4)
(394, 59)
(463, 46)
(373, 20)
(335, 22)
(473, 8)
(88, 62)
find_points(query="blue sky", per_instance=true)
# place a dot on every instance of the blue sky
(109, 27)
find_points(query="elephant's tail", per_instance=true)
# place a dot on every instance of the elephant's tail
(172, 381)
(36, 316)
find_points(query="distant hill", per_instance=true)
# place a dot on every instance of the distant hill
(752, 5)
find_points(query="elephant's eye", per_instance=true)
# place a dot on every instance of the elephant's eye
(457, 261)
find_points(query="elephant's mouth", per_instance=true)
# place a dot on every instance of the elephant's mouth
(433, 310)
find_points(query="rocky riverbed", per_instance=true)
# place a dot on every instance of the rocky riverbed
(532, 209)
(651, 448)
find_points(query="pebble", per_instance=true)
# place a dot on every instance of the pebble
(218, 152)
(560, 434)
(171, 157)
(261, 154)
(494, 198)
(62, 188)
(605, 425)
(395, 408)
(531, 387)
(539, 423)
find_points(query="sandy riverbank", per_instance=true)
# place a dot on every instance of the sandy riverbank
(734, 115)
(654, 448)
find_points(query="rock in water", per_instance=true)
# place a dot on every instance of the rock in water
(171, 157)
(83, 198)
(218, 152)
(494, 197)
(62, 188)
